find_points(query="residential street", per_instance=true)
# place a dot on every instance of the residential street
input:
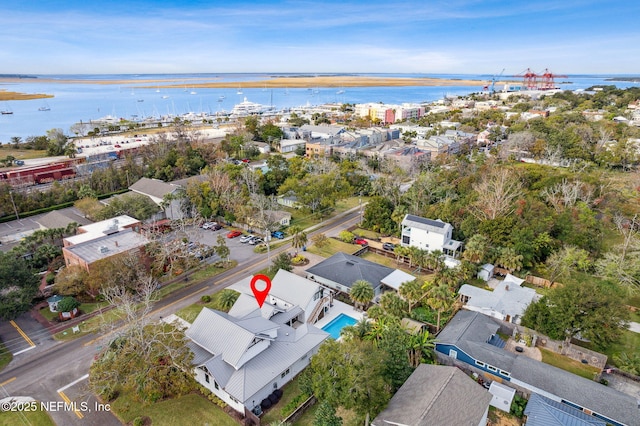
(53, 370)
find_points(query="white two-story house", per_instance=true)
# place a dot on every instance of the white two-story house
(429, 235)
(244, 355)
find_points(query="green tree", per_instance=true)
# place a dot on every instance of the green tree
(589, 309)
(476, 248)
(298, 237)
(412, 292)
(221, 249)
(509, 259)
(361, 293)
(421, 347)
(18, 286)
(227, 298)
(346, 236)
(320, 240)
(282, 261)
(439, 298)
(393, 305)
(326, 416)
(71, 281)
(68, 304)
(378, 216)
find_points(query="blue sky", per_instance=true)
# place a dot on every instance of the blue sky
(428, 36)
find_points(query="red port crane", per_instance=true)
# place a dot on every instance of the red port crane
(548, 81)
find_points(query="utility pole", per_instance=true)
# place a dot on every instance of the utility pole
(14, 205)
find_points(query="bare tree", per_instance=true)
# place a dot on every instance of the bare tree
(566, 194)
(497, 192)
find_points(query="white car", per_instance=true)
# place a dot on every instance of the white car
(255, 241)
(208, 225)
(246, 238)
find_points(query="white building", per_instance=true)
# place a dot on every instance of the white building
(429, 235)
(243, 356)
(507, 302)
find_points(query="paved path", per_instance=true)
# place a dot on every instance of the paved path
(635, 327)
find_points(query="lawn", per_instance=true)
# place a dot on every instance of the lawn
(365, 233)
(34, 418)
(629, 342)
(333, 247)
(290, 391)
(567, 364)
(21, 154)
(192, 409)
(189, 313)
(85, 308)
(5, 356)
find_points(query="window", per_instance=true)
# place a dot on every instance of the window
(505, 373)
(284, 373)
(206, 378)
(406, 239)
(215, 385)
(275, 385)
(492, 368)
(480, 363)
(453, 353)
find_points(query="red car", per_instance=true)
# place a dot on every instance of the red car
(233, 234)
(360, 241)
(117, 146)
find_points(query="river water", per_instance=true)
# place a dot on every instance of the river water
(75, 102)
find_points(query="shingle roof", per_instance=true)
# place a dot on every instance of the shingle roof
(542, 411)
(436, 395)
(599, 398)
(61, 218)
(345, 269)
(469, 331)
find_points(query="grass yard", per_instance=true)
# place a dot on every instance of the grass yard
(192, 409)
(333, 247)
(290, 391)
(365, 233)
(629, 342)
(189, 313)
(5, 356)
(382, 260)
(575, 367)
(34, 418)
(21, 154)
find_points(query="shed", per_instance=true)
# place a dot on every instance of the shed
(486, 272)
(502, 396)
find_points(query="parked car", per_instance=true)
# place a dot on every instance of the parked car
(278, 234)
(255, 241)
(388, 246)
(360, 241)
(208, 225)
(247, 238)
(216, 226)
(233, 234)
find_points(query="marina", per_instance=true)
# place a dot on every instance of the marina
(139, 98)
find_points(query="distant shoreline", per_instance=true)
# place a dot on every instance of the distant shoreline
(336, 81)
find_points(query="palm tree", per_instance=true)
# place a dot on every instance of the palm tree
(400, 251)
(421, 348)
(434, 261)
(361, 293)
(412, 292)
(357, 331)
(298, 237)
(439, 298)
(227, 299)
(509, 259)
(476, 248)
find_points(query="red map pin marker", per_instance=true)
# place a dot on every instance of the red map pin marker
(260, 295)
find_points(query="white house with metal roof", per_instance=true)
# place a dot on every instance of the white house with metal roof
(243, 356)
(430, 235)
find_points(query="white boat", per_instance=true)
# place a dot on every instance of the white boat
(239, 92)
(45, 107)
(248, 108)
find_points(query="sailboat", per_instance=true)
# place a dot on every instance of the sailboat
(6, 111)
(45, 107)
(239, 92)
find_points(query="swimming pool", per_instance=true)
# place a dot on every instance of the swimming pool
(337, 324)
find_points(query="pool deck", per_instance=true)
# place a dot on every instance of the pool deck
(337, 309)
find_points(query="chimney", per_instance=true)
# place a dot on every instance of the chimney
(506, 287)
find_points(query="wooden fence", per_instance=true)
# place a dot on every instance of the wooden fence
(541, 282)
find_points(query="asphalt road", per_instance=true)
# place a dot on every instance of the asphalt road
(56, 372)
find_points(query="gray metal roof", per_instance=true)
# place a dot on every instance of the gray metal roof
(223, 337)
(436, 395)
(61, 219)
(345, 269)
(542, 411)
